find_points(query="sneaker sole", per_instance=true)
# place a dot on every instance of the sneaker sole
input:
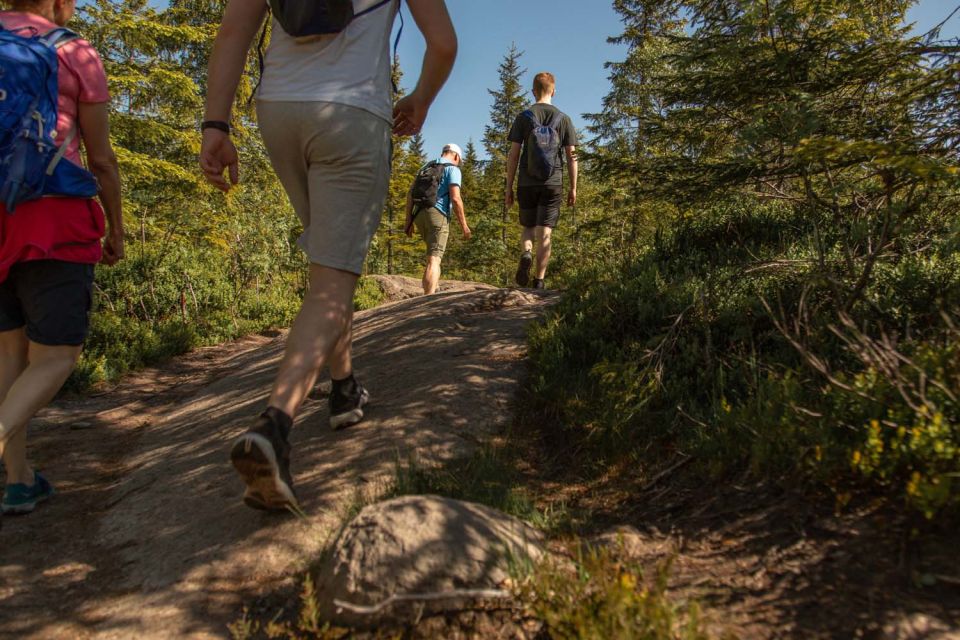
(19, 509)
(344, 420)
(23, 509)
(255, 460)
(523, 271)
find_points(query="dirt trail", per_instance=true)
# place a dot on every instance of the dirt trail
(148, 537)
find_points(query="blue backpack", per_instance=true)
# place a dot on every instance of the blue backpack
(543, 147)
(30, 162)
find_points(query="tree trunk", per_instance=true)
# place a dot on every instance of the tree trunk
(390, 240)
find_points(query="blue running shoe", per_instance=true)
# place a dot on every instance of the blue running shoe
(20, 498)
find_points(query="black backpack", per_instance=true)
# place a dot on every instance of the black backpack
(543, 146)
(315, 17)
(426, 186)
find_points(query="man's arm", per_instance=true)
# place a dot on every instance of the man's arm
(434, 23)
(572, 163)
(457, 201)
(513, 160)
(241, 19)
(94, 122)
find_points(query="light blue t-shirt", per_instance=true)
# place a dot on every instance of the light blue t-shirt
(451, 177)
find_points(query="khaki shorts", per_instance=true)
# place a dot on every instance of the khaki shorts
(434, 228)
(333, 161)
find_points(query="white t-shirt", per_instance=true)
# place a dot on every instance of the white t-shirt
(351, 67)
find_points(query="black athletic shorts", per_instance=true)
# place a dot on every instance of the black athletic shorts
(540, 205)
(51, 299)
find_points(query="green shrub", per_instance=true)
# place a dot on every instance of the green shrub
(602, 597)
(488, 476)
(724, 340)
(368, 294)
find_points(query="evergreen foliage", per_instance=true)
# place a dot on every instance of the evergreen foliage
(795, 312)
(200, 268)
(763, 263)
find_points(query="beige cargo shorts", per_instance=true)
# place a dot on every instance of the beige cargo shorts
(333, 161)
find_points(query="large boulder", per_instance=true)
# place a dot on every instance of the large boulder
(413, 546)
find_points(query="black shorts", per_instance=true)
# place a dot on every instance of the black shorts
(540, 205)
(51, 299)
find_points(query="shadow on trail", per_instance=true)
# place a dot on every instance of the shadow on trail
(149, 538)
(774, 564)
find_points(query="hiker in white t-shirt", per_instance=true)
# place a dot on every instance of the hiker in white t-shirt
(325, 109)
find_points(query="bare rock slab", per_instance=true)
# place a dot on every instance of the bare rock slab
(420, 545)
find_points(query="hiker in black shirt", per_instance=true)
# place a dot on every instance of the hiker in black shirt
(542, 135)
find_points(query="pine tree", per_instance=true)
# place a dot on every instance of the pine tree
(416, 147)
(391, 251)
(651, 30)
(471, 169)
(508, 102)
(832, 108)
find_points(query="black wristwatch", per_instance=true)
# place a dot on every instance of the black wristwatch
(215, 124)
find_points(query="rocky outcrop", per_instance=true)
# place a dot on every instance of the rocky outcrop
(396, 288)
(421, 554)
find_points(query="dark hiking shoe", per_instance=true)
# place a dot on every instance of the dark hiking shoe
(347, 399)
(19, 499)
(538, 283)
(262, 458)
(523, 269)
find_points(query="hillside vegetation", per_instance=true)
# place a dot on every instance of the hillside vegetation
(795, 311)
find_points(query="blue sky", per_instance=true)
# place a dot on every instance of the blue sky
(562, 36)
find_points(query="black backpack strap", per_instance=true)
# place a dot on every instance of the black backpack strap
(263, 36)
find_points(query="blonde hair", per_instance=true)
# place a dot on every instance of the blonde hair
(543, 84)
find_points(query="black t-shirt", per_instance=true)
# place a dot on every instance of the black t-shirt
(521, 129)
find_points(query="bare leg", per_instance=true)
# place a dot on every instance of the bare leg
(13, 359)
(543, 250)
(341, 360)
(431, 275)
(526, 239)
(47, 369)
(321, 325)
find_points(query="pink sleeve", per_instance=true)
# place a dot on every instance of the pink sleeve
(87, 67)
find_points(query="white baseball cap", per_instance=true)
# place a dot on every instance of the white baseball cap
(452, 148)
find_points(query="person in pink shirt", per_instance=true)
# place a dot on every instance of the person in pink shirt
(48, 249)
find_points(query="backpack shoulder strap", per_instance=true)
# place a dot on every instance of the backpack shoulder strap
(372, 8)
(59, 37)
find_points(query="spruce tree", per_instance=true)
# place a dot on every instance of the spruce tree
(508, 102)
(416, 147)
(832, 107)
